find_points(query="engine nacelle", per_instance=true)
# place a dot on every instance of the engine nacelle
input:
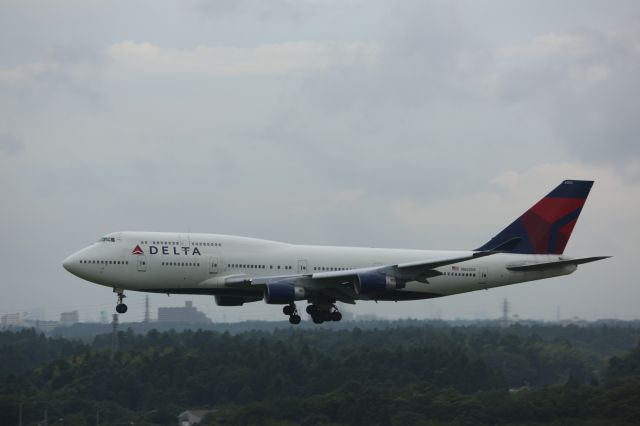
(373, 282)
(283, 293)
(230, 300)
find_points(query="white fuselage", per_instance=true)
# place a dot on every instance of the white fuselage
(207, 263)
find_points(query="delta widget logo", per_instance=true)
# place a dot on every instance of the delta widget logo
(166, 250)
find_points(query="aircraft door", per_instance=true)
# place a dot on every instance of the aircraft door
(213, 264)
(302, 266)
(142, 263)
(483, 275)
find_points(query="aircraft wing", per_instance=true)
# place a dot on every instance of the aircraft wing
(338, 285)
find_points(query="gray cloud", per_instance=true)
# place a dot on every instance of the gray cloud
(10, 145)
(582, 83)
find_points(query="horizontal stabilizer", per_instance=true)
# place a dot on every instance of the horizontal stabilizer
(552, 265)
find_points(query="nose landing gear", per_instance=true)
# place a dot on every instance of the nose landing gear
(292, 311)
(121, 308)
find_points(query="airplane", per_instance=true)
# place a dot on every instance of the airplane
(238, 270)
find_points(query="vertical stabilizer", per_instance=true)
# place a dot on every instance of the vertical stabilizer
(546, 227)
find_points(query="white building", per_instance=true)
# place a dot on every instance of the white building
(192, 417)
(10, 320)
(69, 318)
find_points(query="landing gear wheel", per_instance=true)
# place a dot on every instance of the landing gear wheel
(121, 308)
(294, 319)
(317, 318)
(289, 309)
(311, 309)
(292, 312)
(336, 316)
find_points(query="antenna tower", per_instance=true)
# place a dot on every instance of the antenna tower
(505, 312)
(146, 308)
(115, 344)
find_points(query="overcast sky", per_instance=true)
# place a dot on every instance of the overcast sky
(417, 124)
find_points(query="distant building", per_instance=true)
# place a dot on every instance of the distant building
(45, 326)
(186, 313)
(366, 317)
(69, 318)
(192, 417)
(10, 320)
(36, 314)
(347, 315)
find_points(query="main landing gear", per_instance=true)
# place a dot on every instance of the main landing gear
(121, 308)
(319, 313)
(322, 313)
(292, 312)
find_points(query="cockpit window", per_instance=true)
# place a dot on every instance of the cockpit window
(108, 239)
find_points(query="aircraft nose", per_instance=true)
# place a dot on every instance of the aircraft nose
(69, 264)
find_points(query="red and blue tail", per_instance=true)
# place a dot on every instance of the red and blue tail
(546, 227)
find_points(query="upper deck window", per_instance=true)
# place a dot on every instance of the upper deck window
(108, 239)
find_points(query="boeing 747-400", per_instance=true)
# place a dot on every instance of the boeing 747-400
(238, 270)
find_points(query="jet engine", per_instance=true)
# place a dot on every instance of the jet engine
(283, 292)
(373, 282)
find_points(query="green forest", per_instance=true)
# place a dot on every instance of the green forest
(398, 374)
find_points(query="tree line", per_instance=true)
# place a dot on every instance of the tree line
(406, 373)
